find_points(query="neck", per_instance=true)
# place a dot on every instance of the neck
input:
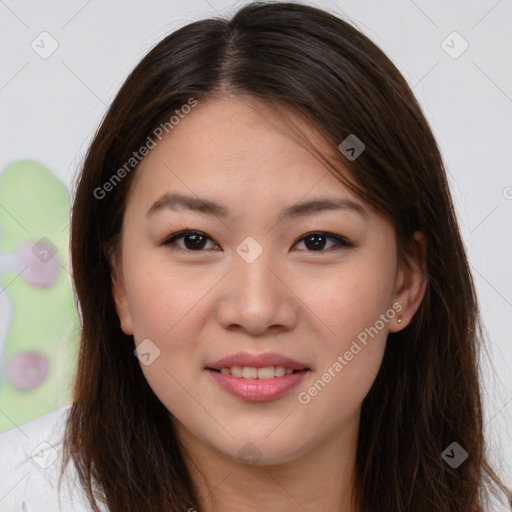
(321, 478)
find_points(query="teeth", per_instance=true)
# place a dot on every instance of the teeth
(268, 372)
(250, 372)
(236, 371)
(280, 371)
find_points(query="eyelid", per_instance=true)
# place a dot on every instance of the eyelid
(168, 240)
(342, 242)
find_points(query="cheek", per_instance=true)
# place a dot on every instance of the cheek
(166, 308)
(351, 298)
(161, 297)
(351, 349)
(166, 314)
(353, 305)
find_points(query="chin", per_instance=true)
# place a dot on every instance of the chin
(261, 450)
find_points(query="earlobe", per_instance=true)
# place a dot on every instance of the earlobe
(119, 293)
(411, 282)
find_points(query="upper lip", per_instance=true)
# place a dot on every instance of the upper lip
(257, 361)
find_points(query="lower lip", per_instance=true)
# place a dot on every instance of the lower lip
(258, 390)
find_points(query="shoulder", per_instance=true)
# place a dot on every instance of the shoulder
(30, 468)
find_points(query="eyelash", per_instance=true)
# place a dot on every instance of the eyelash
(169, 241)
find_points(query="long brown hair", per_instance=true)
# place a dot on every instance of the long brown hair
(427, 393)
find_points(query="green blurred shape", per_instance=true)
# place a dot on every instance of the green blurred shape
(34, 204)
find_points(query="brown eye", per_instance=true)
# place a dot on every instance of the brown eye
(197, 241)
(316, 242)
(192, 240)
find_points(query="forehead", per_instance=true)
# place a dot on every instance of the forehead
(242, 150)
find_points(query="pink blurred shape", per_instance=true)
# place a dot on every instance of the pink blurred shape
(41, 263)
(28, 370)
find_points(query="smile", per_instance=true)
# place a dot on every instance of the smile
(251, 372)
(247, 383)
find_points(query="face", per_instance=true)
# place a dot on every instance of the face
(259, 274)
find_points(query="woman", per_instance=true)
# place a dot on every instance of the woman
(277, 308)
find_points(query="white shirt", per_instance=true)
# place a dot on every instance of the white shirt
(30, 465)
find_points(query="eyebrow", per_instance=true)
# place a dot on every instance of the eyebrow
(175, 201)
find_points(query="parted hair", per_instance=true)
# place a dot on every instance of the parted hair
(427, 393)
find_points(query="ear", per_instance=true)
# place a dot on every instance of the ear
(119, 292)
(411, 282)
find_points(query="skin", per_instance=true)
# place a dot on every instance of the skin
(309, 304)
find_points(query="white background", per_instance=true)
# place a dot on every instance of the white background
(51, 107)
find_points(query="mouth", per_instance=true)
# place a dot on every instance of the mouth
(261, 373)
(257, 377)
(252, 384)
(250, 363)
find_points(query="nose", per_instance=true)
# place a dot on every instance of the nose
(257, 298)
